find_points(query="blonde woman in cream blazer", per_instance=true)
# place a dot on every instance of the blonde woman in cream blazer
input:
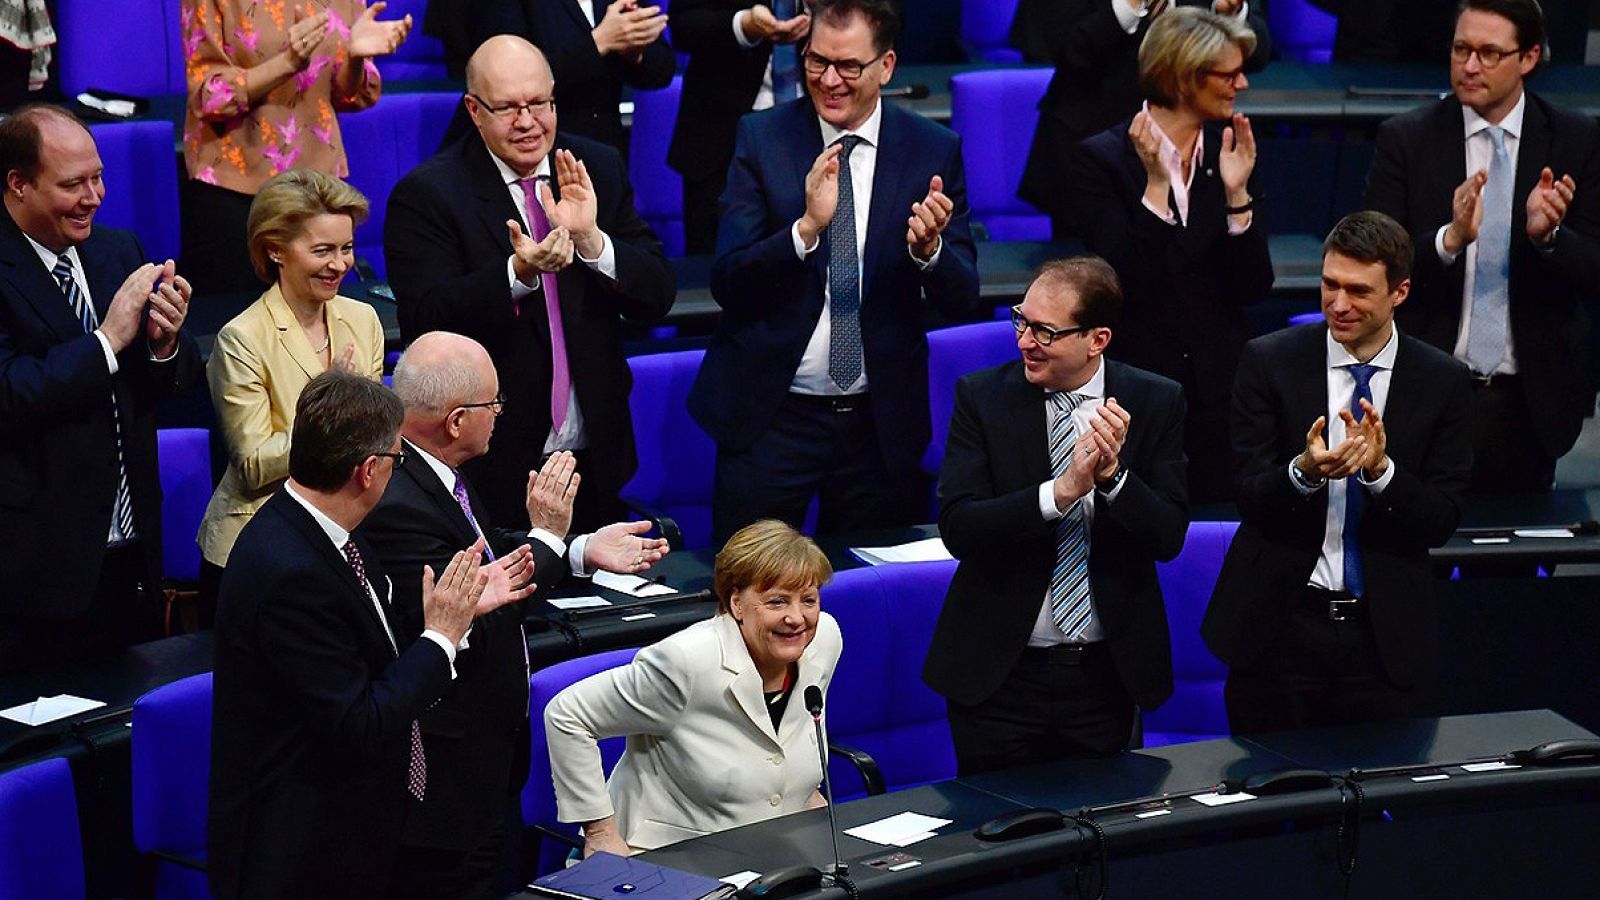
(702, 753)
(301, 226)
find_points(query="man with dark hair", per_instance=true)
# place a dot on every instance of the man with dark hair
(90, 341)
(1352, 448)
(1058, 506)
(314, 744)
(816, 381)
(1508, 246)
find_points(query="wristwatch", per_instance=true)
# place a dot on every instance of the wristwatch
(1114, 482)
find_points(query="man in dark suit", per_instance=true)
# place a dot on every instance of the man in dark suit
(314, 739)
(1496, 186)
(476, 737)
(468, 252)
(1351, 440)
(1063, 484)
(90, 342)
(816, 381)
(594, 47)
(751, 65)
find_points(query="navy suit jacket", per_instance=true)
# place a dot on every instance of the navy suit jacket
(1282, 389)
(58, 445)
(997, 457)
(771, 299)
(311, 716)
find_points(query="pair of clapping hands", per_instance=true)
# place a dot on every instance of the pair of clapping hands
(572, 223)
(1364, 448)
(154, 296)
(930, 216)
(1095, 454)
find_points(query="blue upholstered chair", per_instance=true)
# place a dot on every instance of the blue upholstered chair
(141, 180)
(952, 353)
(1301, 31)
(1305, 318)
(420, 57)
(657, 189)
(41, 852)
(1196, 710)
(878, 702)
(185, 455)
(556, 839)
(131, 47)
(171, 774)
(995, 113)
(677, 460)
(986, 28)
(383, 144)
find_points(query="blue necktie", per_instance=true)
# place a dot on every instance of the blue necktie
(844, 279)
(1355, 495)
(1491, 273)
(122, 504)
(785, 58)
(1069, 582)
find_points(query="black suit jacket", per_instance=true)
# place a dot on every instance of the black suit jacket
(1421, 159)
(476, 736)
(588, 85)
(58, 444)
(311, 717)
(1096, 82)
(996, 459)
(1408, 31)
(719, 84)
(771, 299)
(1282, 389)
(445, 236)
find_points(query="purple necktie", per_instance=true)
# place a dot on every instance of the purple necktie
(460, 492)
(560, 378)
(417, 770)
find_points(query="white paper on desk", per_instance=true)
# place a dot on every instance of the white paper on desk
(1495, 766)
(1223, 799)
(740, 879)
(632, 585)
(896, 829)
(1492, 540)
(578, 602)
(926, 550)
(49, 709)
(1543, 533)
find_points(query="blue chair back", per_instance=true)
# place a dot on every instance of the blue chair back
(677, 460)
(1301, 31)
(41, 852)
(134, 47)
(385, 142)
(1306, 318)
(878, 701)
(952, 353)
(185, 455)
(141, 180)
(995, 113)
(986, 28)
(538, 795)
(657, 189)
(420, 57)
(171, 778)
(1196, 711)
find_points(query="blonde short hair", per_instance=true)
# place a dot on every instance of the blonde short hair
(284, 204)
(765, 554)
(1181, 47)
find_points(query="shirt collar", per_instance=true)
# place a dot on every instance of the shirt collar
(509, 177)
(868, 131)
(1169, 150)
(50, 257)
(1094, 388)
(1339, 357)
(1512, 123)
(447, 475)
(332, 529)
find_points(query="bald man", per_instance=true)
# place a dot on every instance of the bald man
(475, 738)
(528, 242)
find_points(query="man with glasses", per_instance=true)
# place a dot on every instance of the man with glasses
(528, 242)
(476, 737)
(1496, 185)
(815, 384)
(1063, 485)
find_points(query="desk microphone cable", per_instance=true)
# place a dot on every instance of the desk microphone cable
(1085, 879)
(1347, 836)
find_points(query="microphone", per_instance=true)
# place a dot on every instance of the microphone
(814, 706)
(910, 92)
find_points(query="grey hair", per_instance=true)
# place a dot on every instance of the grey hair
(437, 386)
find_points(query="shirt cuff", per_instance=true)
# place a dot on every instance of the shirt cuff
(800, 249)
(1301, 483)
(105, 346)
(1169, 217)
(1445, 257)
(1376, 487)
(1047, 502)
(1127, 18)
(445, 645)
(518, 288)
(606, 262)
(932, 260)
(176, 346)
(1235, 229)
(549, 539)
(738, 30)
(575, 558)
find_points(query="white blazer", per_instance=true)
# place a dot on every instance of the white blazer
(701, 753)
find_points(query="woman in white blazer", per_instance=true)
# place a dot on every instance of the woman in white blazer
(718, 734)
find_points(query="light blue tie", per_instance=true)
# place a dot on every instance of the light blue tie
(1355, 494)
(785, 58)
(122, 503)
(1486, 341)
(1069, 583)
(844, 278)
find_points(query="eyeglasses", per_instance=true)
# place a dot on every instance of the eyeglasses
(848, 69)
(1488, 57)
(1228, 75)
(496, 406)
(399, 457)
(1044, 334)
(513, 111)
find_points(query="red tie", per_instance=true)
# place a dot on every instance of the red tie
(560, 378)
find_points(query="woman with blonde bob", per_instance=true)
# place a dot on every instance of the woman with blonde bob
(715, 737)
(301, 237)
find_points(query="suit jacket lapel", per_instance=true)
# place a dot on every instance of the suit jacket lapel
(334, 557)
(495, 208)
(1533, 149)
(290, 336)
(1024, 410)
(421, 475)
(884, 214)
(744, 682)
(21, 266)
(1405, 391)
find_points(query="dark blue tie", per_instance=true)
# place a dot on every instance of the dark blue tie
(1355, 495)
(844, 278)
(785, 58)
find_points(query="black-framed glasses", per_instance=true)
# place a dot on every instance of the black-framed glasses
(1228, 75)
(1044, 334)
(496, 406)
(1488, 57)
(513, 111)
(399, 457)
(848, 69)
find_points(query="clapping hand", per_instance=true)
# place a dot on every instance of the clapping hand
(822, 194)
(532, 257)
(622, 547)
(930, 216)
(628, 28)
(369, 37)
(1466, 213)
(551, 491)
(167, 307)
(449, 603)
(1374, 459)
(1109, 428)
(304, 38)
(577, 208)
(1237, 159)
(1147, 144)
(510, 579)
(1548, 203)
(1318, 462)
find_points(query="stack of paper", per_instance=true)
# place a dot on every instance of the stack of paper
(632, 585)
(928, 550)
(901, 830)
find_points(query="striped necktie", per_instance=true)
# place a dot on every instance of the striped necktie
(1069, 583)
(122, 508)
(417, 766)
